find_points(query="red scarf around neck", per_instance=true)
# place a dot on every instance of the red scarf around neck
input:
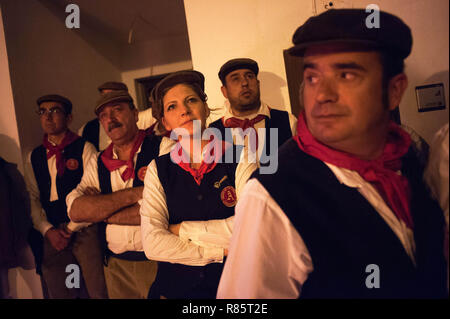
(234, 122)
(207, 164)
(57, 150)
(381, 172)
(112, 164)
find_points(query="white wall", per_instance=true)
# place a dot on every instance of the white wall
(45, 57)
(258, 29)
(429, 59)
(128, 77)
(262, 29)
(144, 59)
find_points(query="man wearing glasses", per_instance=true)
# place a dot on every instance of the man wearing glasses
(52, 170)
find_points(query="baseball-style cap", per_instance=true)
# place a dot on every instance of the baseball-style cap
(114, 96)
(237, 64)
(349, 26)
(56, 98)
(116, 86)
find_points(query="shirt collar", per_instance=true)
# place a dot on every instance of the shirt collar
(347, 177)
(263, 110)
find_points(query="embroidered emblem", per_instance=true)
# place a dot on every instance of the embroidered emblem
(141, 173)
(72, 164)
(217, 184)
(228, 196)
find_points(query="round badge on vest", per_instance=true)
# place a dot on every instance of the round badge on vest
(72, 164)
(141, 173)
(228, 196)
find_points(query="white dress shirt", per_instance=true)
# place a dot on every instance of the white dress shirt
(199, 242)
(120, 238)
(38, 215)
(268, 257)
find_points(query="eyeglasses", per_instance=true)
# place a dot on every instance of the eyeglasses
(53, 111)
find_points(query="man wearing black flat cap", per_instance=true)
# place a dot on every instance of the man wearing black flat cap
(347, 214)
(52, 170)
(93, 132)
(110, 193)
(244, 108)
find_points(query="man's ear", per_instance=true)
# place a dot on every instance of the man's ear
(396, 88)
(136, 115)
(224, 90)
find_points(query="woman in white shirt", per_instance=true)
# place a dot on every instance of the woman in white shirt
(189, 194)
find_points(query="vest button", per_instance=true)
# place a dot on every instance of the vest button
(200, 197)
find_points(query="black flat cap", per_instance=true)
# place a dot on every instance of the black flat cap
(116, 86)
(349, 26)
(157, 94)
(114, 96)
(56, 98)
(236, 64)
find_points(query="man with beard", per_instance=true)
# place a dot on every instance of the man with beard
(52, 170)
(110, 193)
(241, 87)
(347, 214)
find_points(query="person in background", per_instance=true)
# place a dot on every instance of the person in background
(93, 132)
(436, 176)
(110, 193)
(52, 170)
(15, 223)
(244, 108)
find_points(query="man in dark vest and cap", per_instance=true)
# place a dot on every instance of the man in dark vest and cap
(52, 170)
(244, 108)
(347, 214)
(110, 193)
(93, 132)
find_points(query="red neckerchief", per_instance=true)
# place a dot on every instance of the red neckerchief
(207, 164)
(381, 172)
(234, 122)
(243, 124)
(57, 150)
(112, 164)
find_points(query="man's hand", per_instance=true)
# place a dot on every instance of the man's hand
(91, 191)
(57, 238)
(175, 229)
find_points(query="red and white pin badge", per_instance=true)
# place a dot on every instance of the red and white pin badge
(228, 196)
(72, 164)
(141, 173)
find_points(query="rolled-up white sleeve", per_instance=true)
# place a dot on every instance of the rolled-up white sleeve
(159, 243)
(267, 257)
(38, 215)
(217, 232)
(89, 179)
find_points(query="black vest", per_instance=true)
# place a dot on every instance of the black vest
(57, 210)
(149, 151)
(344, 233)
(91, 132)
(278, 119)
(188, 201)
